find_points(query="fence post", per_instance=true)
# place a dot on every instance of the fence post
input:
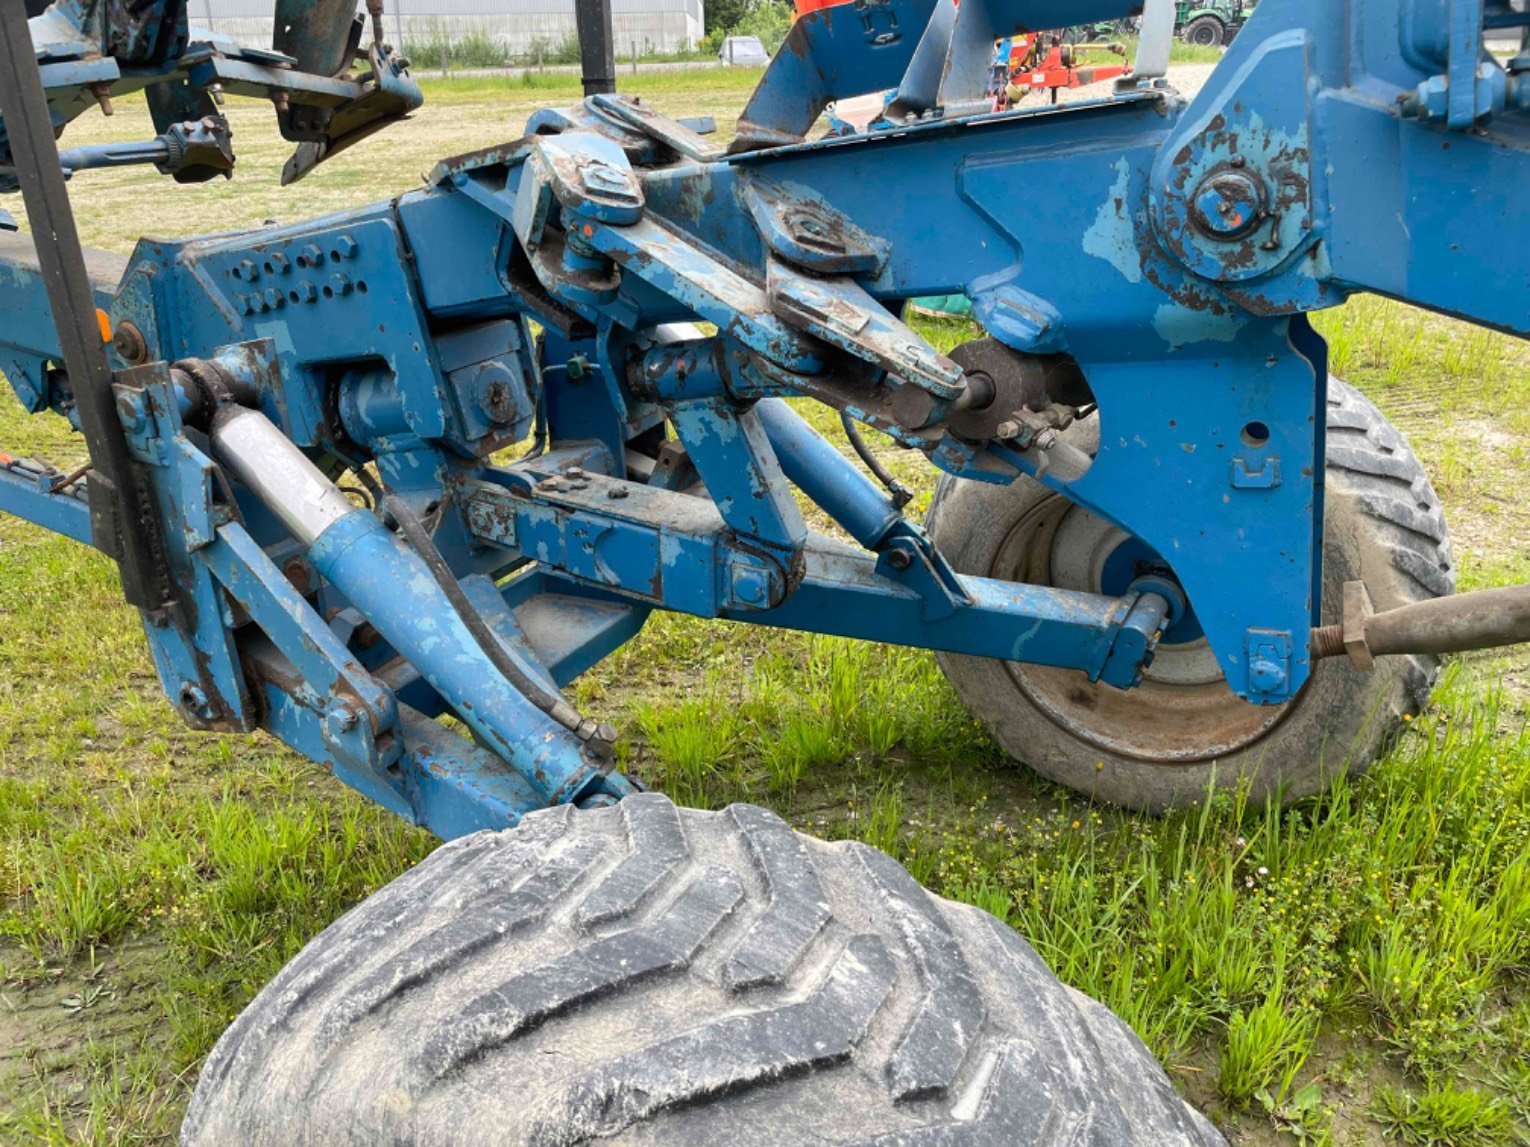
(444, 56)
(634, 57)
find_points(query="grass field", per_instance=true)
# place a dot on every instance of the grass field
(1351, 969)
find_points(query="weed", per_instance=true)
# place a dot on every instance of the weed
(692, 742)
(881, 820)
(1445, 1115)
(78, 898)
(1264, 1049)
(803, 742)
(1302, 1115)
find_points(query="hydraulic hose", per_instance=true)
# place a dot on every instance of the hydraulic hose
(901, 494)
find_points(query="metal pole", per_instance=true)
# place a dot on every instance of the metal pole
(597, 48)
(124, 521)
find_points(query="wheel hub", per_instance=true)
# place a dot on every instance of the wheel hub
(1183, 712)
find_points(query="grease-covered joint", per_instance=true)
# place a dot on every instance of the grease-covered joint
(204, 385)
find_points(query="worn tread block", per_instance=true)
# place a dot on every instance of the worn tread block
(796, 910)
(952, 1011)
(457, 940)
(667, 943)
(319, 964)
(725, 1056)
(658, 846)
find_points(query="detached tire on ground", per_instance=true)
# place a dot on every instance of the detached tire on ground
(647, 974)
(1161, 744)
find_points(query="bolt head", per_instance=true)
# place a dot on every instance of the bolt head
(129, 343)
(346, 246)
(1228, 204)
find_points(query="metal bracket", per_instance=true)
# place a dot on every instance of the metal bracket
(1269, 661)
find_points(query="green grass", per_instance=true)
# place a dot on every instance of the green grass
(1351, 968)
(1446, 1115)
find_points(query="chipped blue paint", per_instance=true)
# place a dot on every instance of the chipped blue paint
(1180, 326)
(1112, 236)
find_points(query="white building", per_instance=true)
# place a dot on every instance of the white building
(519, 26)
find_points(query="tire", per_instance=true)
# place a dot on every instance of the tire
(648, 974)
(1203, 32)
(1165, 743)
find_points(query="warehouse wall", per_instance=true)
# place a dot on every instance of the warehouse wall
(518, 25)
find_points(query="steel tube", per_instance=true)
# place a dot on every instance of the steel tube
(392, 587)
(254, 451)
(113, 155)
(826, 476)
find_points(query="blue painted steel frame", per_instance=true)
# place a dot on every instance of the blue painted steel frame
(401, 335)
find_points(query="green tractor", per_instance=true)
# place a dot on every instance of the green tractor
(1211, 23)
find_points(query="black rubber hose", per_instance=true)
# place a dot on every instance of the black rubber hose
(901, 494)
(547, 700)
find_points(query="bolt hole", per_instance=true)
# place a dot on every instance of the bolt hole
(361, 286)
(334, 256)
(1255, 434)
(329, 292)
(292, 296)
(270, 267)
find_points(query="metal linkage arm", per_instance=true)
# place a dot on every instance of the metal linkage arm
(391, 586)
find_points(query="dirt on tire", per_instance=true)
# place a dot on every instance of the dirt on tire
(651, 974)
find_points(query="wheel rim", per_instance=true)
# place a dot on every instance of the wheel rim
(1204, 36)
(1183, 712)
